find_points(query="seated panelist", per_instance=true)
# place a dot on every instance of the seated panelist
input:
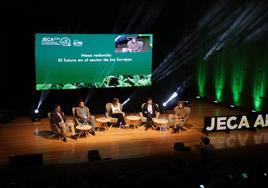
(150, 110)
(116, 112)
(59, 119)
(82, 113)
(180, 117)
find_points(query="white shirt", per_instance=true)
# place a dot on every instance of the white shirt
(116, 109)
(150, 108)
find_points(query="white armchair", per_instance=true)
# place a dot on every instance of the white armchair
(55, 129)
(74, 117)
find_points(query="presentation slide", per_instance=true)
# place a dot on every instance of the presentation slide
(74, 61)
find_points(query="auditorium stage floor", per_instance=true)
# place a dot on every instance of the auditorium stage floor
(19, 137)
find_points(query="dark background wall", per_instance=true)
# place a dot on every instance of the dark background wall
(237, 77)
(236, 70)
(181, 39)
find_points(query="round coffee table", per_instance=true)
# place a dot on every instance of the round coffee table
(84, 129)
(103, 122)
(162, 123)
(134, 120)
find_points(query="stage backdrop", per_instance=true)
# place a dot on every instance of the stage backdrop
(72, 61)
(236, 75)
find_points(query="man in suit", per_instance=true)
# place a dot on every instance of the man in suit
(150, 110)
(58, 118)
(82, 113)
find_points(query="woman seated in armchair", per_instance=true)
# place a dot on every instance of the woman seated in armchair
(116, 112)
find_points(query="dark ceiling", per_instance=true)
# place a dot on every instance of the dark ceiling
(169, 21)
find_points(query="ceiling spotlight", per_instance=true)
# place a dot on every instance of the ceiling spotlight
(232, 106)
(197, 97)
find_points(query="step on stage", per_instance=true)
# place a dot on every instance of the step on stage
(23, 137)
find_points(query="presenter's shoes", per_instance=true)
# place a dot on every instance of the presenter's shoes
(64, 139)
(93, 133)
(74, 137)
(146, 128)
(175, 131)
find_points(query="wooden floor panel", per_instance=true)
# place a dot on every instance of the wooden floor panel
(22, 136)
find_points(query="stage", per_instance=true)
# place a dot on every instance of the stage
(22, 136)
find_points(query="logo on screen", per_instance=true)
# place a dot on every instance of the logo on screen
(64, 41)
(56, 41)
(77, 43)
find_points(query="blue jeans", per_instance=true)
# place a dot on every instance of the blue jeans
(89, 121)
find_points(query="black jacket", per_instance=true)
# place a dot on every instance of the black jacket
(155, 109)
(56, 119)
